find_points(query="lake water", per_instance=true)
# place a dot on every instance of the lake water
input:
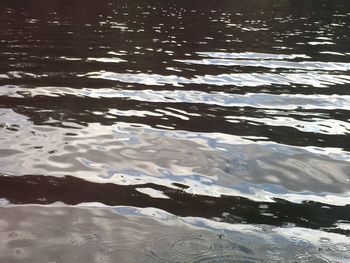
(175, 131)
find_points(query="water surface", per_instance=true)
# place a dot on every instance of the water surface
(229, 112)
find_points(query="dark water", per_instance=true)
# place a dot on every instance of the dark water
(227, 113)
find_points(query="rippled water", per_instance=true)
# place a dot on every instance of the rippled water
(225, 113)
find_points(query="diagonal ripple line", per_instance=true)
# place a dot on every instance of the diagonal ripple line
(315, 79)
(254, 100)
(39, 189)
